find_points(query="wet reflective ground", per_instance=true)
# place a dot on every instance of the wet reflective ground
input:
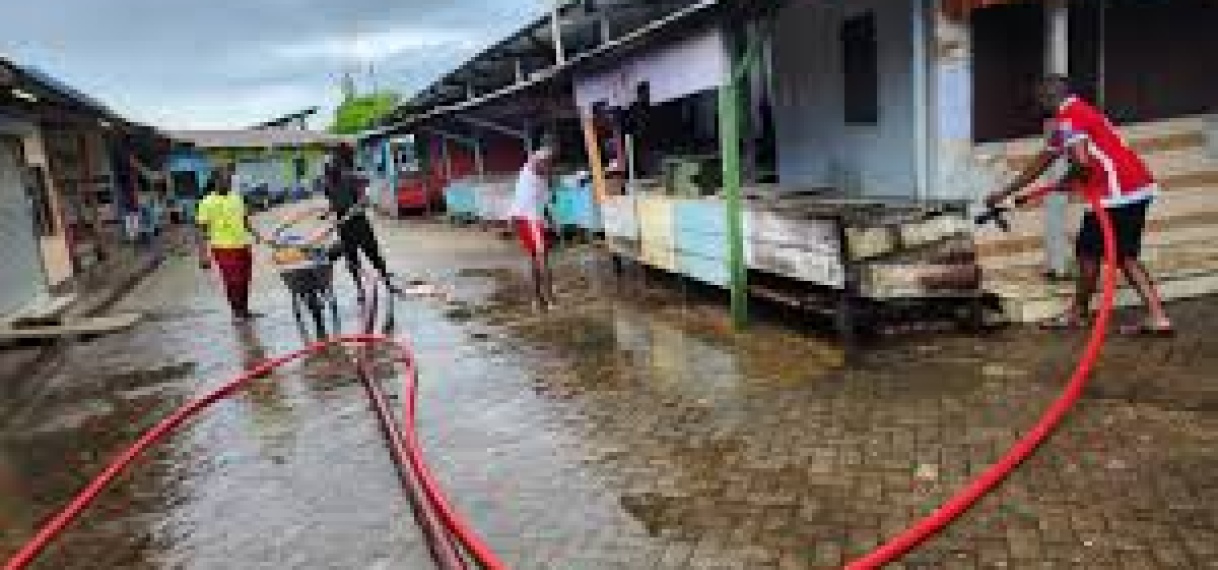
(630, 429)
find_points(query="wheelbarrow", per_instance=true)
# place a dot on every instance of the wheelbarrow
(308, 272)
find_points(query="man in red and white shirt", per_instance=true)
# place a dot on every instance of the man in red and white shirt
(1103, 168)
(528, 217)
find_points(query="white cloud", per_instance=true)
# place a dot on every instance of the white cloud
(376, 46)
(232, 63)
(237, 108)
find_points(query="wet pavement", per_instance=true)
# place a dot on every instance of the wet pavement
(629, 429)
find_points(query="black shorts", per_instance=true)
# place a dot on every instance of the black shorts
(1128, 224)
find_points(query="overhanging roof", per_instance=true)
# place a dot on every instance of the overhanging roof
(39, 94)
(657, 21)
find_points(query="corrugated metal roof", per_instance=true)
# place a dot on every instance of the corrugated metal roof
(422, 109)
(55, 96)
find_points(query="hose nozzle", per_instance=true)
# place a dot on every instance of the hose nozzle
(995, 214)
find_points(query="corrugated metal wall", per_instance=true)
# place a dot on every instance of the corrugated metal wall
(22, 278)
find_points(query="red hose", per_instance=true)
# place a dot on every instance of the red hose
(443, 550)
(996, 473)
(56, 526)
(72, 511)
(484, 556)
(886, 553)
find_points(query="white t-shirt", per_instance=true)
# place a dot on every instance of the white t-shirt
(532, 194)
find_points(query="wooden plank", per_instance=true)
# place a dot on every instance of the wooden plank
(658, 246)
(620, 220)
(876, 241)
(796, 263)
(82, 327)
(704, 244)
(775, 228)
(596, 164)
(707, 216)
(888, 281)
(712, 270)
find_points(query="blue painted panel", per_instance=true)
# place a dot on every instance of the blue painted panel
(705, 269)
(704, 244)
(460, 200)
(564, 206)
(575, 205)
(702, 216)
(587, 213)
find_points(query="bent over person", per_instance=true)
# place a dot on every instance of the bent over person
(528, 216)
(1104, 168)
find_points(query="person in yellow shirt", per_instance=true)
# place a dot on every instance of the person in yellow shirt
(225, 222)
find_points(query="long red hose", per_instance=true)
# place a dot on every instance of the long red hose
(444, 551)
(1022, 449)
(890, 551)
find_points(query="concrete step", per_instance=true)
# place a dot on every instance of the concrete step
(1176, 138)
(1182, 270)
(1181, 212)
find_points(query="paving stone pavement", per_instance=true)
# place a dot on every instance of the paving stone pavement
(631, 429)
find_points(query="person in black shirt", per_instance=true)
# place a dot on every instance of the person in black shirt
(344, 188)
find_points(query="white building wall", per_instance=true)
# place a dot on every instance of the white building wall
(23, 279)
(677, 70)
(815, 145)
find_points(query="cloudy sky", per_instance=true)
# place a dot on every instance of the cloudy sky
(231, 63)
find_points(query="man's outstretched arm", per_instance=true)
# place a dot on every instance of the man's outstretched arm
(1029, 175)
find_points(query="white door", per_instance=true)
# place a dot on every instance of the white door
(22, 278)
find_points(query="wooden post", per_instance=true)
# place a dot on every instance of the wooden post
(595, 161)
(729, 129)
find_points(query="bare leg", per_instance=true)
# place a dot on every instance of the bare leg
(1137, 275)
(539, 281)
(549, 279)
(1088, 277)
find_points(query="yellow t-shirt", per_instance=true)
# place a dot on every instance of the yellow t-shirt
(224, 217)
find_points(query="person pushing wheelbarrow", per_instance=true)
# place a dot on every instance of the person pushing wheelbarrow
(344, 188)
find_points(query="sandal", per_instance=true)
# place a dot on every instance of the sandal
(1063, 322)
(1147, 330)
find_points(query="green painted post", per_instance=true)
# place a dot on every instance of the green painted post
(729, 130)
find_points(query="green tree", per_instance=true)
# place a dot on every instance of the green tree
(359, 112)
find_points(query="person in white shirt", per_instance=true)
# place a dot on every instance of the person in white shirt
(528, 218)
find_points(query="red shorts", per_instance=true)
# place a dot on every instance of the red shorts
(532, 234)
